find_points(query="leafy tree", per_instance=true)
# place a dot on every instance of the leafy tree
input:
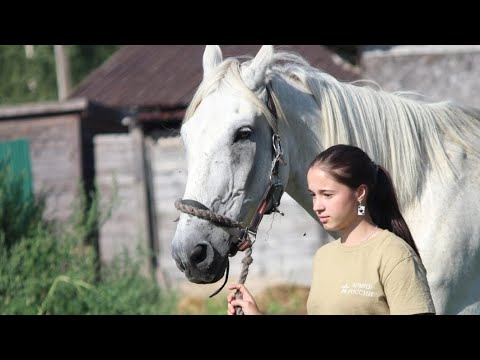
(85, 58)
(27, 76)
(28, 73)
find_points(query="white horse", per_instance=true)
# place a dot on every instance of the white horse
(431, 150)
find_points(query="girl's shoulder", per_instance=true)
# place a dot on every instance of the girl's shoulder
(327, 248)
(394, 246)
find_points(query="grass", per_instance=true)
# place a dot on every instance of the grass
(283, 299)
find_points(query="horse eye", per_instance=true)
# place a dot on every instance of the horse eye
(243, 134)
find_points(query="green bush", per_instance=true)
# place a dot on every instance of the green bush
(51, 268)
(17, 217)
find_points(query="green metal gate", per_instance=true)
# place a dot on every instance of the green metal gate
(15, 158)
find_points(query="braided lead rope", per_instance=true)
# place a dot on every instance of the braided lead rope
(246, 261)
(208, 215)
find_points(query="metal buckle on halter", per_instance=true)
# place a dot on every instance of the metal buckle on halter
(243, 243)
(246, 243)
(278, 149)
(275, 191)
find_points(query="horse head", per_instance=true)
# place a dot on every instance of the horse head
(228, 134)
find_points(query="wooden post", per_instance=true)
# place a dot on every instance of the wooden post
(143, 208)
(63, 72)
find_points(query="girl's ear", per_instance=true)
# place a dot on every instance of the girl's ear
(362, 193)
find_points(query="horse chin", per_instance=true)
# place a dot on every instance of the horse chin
(207, 276)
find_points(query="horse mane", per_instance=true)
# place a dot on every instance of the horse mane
(404, 134)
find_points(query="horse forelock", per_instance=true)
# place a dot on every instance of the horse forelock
(228, 74)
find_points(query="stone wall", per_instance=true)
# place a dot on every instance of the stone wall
(441, 72)
(115, 177)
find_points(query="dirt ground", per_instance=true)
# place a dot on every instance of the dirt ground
(280, 298)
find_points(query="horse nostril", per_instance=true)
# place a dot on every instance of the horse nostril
(198, 254)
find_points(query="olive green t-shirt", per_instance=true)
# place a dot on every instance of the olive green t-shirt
(382, 275)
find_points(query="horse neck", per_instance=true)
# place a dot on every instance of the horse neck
(300, 137)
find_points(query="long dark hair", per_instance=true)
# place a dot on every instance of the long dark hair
(351, 166)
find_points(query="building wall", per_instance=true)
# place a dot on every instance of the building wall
(55, 157)
(441, 72)
(118, 187)
(282, 253)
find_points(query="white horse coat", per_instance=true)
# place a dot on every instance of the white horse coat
(430, 149)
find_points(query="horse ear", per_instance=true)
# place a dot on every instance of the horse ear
(254, 73)
(212, 56)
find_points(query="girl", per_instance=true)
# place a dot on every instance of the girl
(374, 266)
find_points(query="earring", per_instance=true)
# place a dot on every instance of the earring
(361, 209)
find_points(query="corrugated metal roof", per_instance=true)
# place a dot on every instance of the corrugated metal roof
(166, 76)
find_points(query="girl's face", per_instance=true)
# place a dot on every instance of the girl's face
(334, 203)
